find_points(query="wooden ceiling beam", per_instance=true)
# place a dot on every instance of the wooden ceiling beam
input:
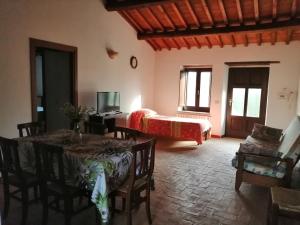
(294, 8)
(282, 25)
(219, 39)
(258, 37)
(131, 21)
(208, 42)
(273, 37)
(289, 36)
(232, 40)
(176, 43)
(222, 9)
(207, 12)
(166, 44)
(192, 12)
(113, 5)
(274, 9)
(156, 44)
(168, 19)
(246, 43)
(152, 45)
(142, 18)
(239, 10)
(256, 10)
(149, 10)
(178, 14)
(186, 43)
(197, 42)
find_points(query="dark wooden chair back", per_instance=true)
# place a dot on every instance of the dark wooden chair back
(31, 129)
(10, 161)
(125, 133)
(94, 127)
(50, 163)
(142, 165)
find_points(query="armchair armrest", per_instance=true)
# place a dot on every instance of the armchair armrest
(241, 156)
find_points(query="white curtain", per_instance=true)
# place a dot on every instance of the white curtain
(182, 89)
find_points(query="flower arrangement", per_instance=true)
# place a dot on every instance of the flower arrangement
(75, 114)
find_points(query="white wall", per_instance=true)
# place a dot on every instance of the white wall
(283, 75)
(81, 23)
(88, 26)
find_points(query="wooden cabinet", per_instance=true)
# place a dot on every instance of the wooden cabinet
(110, 120)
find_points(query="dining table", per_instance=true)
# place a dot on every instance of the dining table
(92, 162)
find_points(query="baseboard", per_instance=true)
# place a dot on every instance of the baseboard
(217, 136)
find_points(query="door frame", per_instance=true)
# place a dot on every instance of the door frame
(34, 45)
(263, 110)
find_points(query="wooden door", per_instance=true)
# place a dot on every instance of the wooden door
(53, 69)
(246, 100)
(57, 87)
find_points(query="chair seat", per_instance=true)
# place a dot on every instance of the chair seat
(277, 171)
(59, 190)
(30, 180)
(139, 184)
(286, 199)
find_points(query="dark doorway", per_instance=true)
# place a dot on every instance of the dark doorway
(246, 100)
(53, 82)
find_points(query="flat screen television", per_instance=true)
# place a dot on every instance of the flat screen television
(108, 102)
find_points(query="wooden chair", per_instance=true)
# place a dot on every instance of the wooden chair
(14, 175)
(52, 175)
(32, 129)
(284, 202)
(127, 133)
(94, 127)
(139, 179)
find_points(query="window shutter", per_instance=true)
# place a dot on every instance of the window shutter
(182, 88)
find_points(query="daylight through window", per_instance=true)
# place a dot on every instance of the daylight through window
(195, 85)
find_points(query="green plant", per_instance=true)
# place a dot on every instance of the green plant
(76, 113)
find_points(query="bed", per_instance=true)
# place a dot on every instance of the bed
(149, 122)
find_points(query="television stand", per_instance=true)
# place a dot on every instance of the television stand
(109, 119)
(110, 113)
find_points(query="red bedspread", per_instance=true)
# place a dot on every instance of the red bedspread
(177, 127)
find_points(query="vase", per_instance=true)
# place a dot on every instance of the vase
(76, 135)
(76, 126)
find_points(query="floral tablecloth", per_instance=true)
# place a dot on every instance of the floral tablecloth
(93, 162)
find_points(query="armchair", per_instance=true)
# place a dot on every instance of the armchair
(270, 170)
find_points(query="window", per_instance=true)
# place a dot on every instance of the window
(195, 87)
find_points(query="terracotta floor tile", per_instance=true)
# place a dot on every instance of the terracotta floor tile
(194, 186)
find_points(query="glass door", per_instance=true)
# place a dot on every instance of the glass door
(247, 98)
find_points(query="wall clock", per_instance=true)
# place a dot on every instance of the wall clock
(133, 62)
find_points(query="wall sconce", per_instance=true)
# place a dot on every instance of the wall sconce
(111, 53)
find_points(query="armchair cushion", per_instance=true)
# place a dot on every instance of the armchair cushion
(260, 147)
(277, 171)
(266, 133)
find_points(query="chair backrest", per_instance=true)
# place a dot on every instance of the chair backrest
(10, 161)
(142, 165)
(94, 127)
(50, 162)
(126, 133)
(32, 129)
(291, 135)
